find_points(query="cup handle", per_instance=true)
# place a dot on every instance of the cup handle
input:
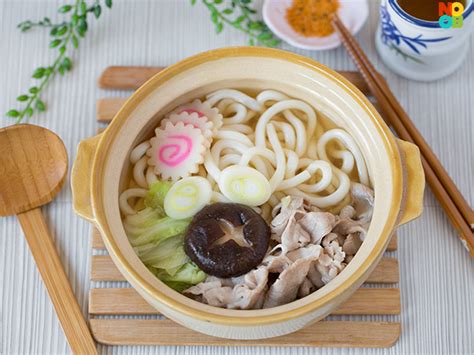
(81, 177)
(414, 184)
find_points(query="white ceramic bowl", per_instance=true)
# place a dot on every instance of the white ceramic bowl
(102, 169)
(353, 14)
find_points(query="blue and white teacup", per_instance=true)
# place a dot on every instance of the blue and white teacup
(419, 49)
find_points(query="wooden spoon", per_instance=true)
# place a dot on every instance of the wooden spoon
(33, 166)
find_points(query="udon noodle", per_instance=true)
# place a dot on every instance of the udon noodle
(280, 137)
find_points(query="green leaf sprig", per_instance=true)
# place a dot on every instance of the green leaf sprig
(65, 38)
(28, 25)
(241, 16)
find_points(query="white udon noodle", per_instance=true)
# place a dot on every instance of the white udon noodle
(280, 137)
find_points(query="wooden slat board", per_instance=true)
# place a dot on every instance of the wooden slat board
(108, 302)
(341, 334)
(126, 78)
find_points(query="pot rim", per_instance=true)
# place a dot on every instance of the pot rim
(243, 320)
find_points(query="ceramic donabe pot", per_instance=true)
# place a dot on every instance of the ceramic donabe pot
(101, 171)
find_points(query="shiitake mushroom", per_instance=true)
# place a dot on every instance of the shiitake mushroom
(227, 239)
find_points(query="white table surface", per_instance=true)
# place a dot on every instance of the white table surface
(437, 275)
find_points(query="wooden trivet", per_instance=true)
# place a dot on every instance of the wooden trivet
(120, 316)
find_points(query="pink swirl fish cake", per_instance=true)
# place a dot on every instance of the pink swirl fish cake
(194, 119)
(202, 109)
(176, 150)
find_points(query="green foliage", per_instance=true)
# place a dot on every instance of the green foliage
(241, 16)
(28, 25)
(65, 37)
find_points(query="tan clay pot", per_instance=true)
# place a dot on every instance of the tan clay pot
(102, 168)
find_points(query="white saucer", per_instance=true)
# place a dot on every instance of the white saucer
(353, 14)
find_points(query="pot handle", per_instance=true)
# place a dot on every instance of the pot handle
(81, 177)
(414, 184)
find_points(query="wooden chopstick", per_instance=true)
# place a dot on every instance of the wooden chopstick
(418, 139)
(456, 207)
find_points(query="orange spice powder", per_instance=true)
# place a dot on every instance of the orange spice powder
(312, 18)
